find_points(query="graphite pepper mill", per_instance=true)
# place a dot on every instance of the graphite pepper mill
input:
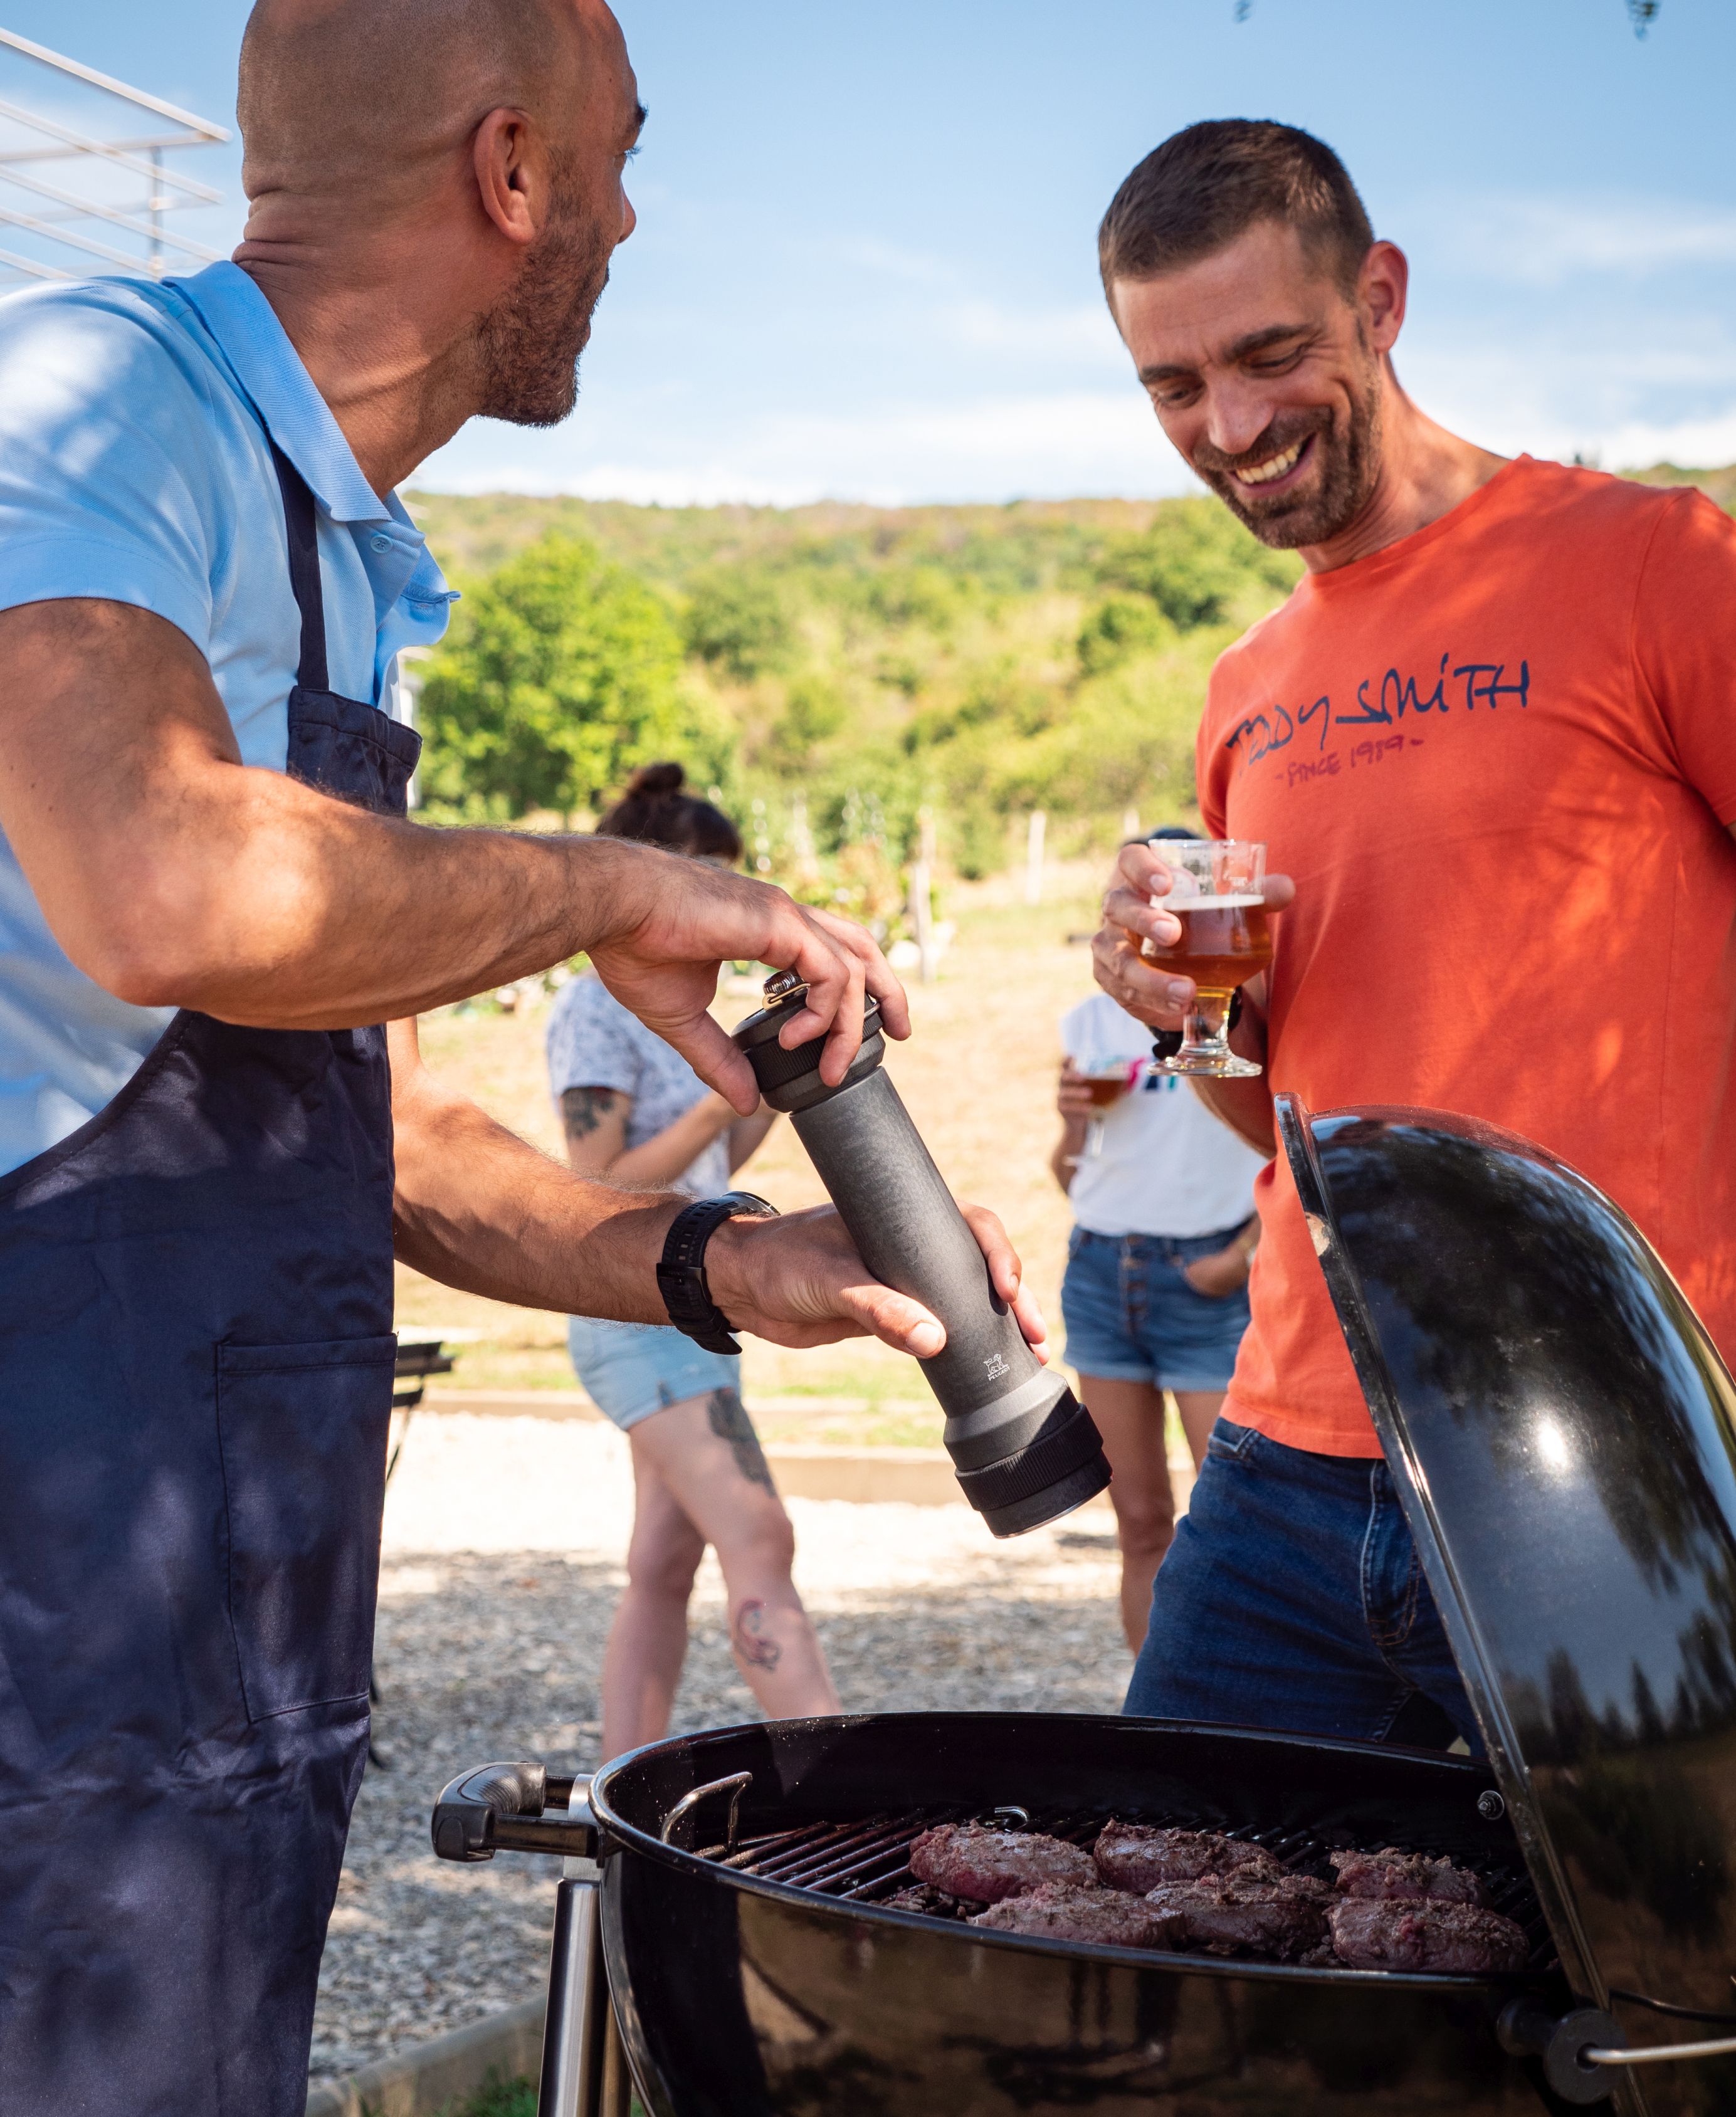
(1023, 1447)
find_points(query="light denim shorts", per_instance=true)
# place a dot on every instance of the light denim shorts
(631, 1370)
(1132, 1317)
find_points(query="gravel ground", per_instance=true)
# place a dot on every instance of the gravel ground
(503, 1549)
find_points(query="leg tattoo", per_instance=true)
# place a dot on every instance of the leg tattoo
(730, 1421)
(750, 1645)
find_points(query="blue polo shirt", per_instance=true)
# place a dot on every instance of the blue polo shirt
(134, 466)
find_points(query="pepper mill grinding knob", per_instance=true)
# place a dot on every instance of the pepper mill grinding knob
(1024, 1448)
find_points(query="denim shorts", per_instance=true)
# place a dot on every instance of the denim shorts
(631, 1370)
(1131, 1316)
(1293, 1598)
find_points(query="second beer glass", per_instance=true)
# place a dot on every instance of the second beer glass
(1218, 892)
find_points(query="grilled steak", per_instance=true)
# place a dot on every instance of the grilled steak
(1240, 1914)
(1065, 1911)
(1377, 1932)
(970, 1860)
(1407, 1877)
(1128, 1855)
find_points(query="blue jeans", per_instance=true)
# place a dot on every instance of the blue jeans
(1131, 1316)
(1293, 1598)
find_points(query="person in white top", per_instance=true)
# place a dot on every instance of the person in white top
(1155, 1297)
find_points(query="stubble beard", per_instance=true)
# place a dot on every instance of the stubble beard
(1347, 469)
(529, 344)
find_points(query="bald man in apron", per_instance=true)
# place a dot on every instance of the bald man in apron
(210, 899)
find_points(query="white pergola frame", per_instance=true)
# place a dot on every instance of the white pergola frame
(69, 220)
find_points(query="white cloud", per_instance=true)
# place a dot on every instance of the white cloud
(1083, 334)
(1696, 443)
(1621, 401)
(1541, 242)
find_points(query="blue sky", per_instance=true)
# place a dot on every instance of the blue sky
(865, 262)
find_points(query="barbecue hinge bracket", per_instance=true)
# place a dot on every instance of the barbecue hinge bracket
(504, 1808)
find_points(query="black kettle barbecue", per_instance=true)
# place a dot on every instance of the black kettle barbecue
(1563, 1436)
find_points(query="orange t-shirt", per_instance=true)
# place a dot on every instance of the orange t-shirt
(1498, 758)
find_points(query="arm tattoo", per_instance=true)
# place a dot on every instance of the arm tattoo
(751, 1646)
(730, 1421)
(583, 1109)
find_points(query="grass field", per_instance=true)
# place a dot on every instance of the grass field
(978, 1075)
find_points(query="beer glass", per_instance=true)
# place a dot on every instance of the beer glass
(1106, 1080)
(1218, 892)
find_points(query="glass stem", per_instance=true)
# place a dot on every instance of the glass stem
(1206, 1031)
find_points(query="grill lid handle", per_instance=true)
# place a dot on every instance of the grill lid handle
(501, 1808)
(735, 1786)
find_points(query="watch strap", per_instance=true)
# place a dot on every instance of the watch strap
(681, 1270)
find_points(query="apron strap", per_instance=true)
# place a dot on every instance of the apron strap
(304, 572)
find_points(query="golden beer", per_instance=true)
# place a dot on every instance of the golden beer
(1224, 941)
(1103, 1090)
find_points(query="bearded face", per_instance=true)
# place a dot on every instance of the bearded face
(1335, 448)
(530, 340)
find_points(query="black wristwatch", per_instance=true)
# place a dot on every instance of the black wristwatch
(681, 1270)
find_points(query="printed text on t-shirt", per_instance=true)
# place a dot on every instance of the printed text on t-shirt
(1466, 684)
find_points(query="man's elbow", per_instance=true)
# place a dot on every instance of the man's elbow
(147, 969)
(156, 947)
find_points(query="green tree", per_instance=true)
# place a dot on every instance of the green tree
(1198, 565)
(1120, 627)
(560, 674)
(735, 621)
(813, 714)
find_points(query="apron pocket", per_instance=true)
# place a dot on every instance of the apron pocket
(303, 1429)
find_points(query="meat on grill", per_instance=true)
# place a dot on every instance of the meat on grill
(1376, 1932)
(972, 1860)
(1280, 1917)
(1130, 1855)
(1407, 1877)
(1066, 1911)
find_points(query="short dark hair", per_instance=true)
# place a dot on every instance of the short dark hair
(656, 811)
(1204, 187)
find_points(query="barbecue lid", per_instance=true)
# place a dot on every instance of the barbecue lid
(1563, 1435)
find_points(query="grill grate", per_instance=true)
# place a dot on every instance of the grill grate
(869, 1860)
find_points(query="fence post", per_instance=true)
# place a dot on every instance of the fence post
(921, 905)
(1034, 857)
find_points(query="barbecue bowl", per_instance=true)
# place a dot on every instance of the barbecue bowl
(754, 1972)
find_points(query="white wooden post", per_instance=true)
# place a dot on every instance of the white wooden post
(1034, 857)
(922, 906)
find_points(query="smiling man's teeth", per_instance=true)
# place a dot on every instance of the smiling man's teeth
(1273, 467)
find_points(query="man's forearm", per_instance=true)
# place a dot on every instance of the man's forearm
(1245, 1105)
(281, 945)
(477, 1208)
(175, 876)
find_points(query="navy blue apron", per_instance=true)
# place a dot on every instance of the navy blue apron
(196, 1380)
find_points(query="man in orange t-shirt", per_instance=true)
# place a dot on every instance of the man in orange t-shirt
(1490, 744)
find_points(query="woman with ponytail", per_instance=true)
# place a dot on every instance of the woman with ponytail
(635, 1112)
